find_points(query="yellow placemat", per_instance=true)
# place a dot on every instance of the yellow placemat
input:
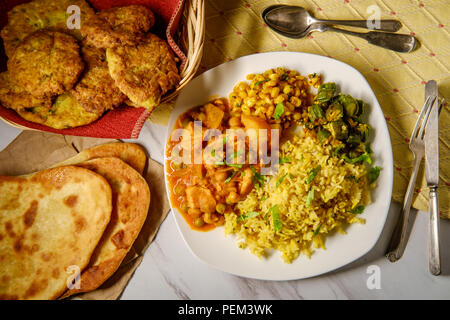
(234, 28)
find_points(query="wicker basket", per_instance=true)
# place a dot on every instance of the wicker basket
(190, 37)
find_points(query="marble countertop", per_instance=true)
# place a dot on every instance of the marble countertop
(170, 271)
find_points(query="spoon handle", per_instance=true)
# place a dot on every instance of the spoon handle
(382, 25)
(392, 41)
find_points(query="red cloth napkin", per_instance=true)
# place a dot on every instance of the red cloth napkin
(124, 122)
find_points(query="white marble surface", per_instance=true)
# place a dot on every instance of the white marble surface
(170, 271)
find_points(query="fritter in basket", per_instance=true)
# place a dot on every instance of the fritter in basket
(144, 72)
(17, 98)
(29, 17)
(118, 26)
(65, 113)
(46, 63)
(96, 91)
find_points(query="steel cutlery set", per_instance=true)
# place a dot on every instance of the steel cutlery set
(295, 22)
(424, 142)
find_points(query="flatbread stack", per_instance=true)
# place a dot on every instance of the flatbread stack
(66, 229)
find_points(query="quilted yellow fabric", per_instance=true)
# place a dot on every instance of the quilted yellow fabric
(234, 28)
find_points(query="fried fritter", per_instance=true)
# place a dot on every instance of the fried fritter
(92, 56)
(97, 91)
(29, 17)
(144, 72)
(46, 63)
(15, 97)
(118, 26)
(65, 113)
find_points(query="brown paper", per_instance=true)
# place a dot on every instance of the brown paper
(33, 151)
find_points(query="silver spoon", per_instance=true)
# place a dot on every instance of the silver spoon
(294, 19)
(295, 22)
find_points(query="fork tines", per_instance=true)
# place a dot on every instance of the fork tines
(423, 118)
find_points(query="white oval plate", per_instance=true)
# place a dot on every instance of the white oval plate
(222, 252)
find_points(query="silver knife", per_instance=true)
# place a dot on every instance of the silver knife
(432, 176)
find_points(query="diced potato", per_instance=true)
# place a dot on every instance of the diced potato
(214, 116)
(200, 198)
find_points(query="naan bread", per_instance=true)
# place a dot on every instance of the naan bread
(131, 198)
(131, 153)
(50, 224)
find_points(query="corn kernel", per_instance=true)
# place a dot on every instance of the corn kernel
(270, 111)
(242, 94)
(279, 99)
(287, 89)
(270, 83)
(290, 106)
(274, 77)
(274, 92)
(296, 101)
(250, 102)
(251, 93)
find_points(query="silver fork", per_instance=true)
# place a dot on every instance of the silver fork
(416, 145)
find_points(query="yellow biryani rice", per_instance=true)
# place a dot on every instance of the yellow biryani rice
(283, 215)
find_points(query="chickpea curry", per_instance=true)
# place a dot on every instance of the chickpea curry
(204, 192)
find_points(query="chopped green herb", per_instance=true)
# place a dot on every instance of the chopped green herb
(373, 174)
(257, 178)
(234, 165)
(262, 81)
(310, 197)
(231, 176)
(284, 160)
(291, 176)
(357, 210)
(264, 198)
(284, 77)
(276, 219)
(338, 149)
(248, 215)
(279, 110)
(364, 157)
(280, 180)
(312, 174)
(225, 139)
(317, 231)
(213, 152)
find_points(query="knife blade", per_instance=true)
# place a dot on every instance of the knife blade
(432, 176)
(432, 138)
